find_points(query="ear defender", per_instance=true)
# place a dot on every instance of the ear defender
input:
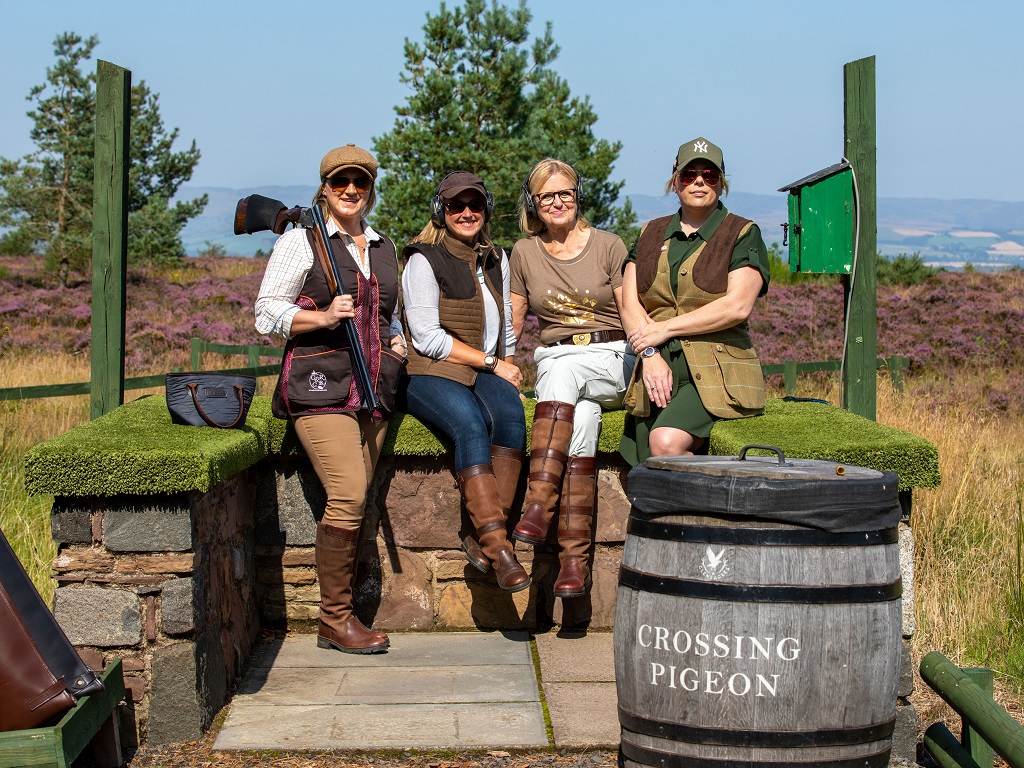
(437, 204)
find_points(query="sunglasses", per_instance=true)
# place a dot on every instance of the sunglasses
(360, 182)
(453, 207)
(689, 175)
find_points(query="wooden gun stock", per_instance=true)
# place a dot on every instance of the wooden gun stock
(256, 213)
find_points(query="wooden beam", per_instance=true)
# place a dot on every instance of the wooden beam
(109, 236)
(859, 383)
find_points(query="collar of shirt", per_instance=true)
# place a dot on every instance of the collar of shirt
(333, 229)
(707, 229)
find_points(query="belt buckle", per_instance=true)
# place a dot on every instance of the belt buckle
(581, 339)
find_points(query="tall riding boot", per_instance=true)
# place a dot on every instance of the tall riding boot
(575, 519)
(507, 464)
(549, 444)
(337, 558)
(479, 490)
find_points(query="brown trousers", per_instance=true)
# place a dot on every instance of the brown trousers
(332, 441)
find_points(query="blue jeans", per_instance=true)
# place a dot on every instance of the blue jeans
(473, 418)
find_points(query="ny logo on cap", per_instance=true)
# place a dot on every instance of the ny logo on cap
(700, 146)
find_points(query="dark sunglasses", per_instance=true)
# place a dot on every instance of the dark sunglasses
(360, 182)
(453, 207)
(689, 175)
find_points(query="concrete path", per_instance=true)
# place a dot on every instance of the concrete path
(435, 690)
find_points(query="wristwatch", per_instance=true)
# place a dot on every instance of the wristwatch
(649, 352)
(490, 362)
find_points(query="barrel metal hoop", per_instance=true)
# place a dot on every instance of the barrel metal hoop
(661, 759)
(779, 537)
(747, 593)
(731, 737)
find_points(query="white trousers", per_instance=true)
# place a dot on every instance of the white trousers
(588, 377)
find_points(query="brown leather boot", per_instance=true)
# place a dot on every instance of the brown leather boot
(479, 490)
(337, 556)
(549, 443)
(575, 518)
(507, 464)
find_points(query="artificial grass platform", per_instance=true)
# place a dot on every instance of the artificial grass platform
(136, 449)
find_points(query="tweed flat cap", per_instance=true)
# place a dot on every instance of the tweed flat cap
(349, 156)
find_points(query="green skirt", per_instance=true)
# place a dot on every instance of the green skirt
(684, 411)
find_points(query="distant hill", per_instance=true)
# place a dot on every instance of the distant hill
(986, 233)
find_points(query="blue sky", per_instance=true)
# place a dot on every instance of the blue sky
(762, 79)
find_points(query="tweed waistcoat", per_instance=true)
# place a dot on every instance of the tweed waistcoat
(723, 364)
(460, 308)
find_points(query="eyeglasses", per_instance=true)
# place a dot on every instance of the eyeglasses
(360, 182)
(547, 198)
(689, 175)
(454, 207)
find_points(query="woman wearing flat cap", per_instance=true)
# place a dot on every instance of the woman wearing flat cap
(317, 388)
(462, 378)
(569, 274)
(689, 285)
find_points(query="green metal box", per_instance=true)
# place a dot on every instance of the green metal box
(821, 210)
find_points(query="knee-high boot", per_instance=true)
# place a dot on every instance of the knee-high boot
(507, 464)
(337, 558)
(549, 444)
(479, 489)
(575, 518)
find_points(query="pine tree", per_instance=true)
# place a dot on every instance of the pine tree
(486, 100)
(46, 197)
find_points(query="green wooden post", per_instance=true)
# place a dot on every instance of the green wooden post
(790, 376)
(970, 738)
(947, 751)
(109, 236)
(859, 376)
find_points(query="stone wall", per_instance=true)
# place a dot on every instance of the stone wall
(413, 574)
(166, 583)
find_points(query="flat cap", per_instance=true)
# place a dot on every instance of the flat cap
(349, 156)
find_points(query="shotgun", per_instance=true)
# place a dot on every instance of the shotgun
(256, 213)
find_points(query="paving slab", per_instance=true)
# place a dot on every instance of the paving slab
(578, 677)
(430, 691)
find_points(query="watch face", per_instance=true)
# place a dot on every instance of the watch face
(649, 352)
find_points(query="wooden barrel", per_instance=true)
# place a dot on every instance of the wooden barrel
(758, 618)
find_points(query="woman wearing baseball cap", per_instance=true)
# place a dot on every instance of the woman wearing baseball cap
(462, 378)
(689, 285)
(317, 389)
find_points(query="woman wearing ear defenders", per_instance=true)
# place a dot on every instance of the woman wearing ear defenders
(462, 378)
(569, 275)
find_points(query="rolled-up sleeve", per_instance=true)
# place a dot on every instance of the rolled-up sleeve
(286, 273)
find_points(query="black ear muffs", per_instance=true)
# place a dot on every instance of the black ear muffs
(531, 206)
(437, 204)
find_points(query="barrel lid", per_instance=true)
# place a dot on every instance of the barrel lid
(764, 466)
(808, 492)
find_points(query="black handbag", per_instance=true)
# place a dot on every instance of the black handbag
(209, 399)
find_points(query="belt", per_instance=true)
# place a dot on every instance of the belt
(594, 337)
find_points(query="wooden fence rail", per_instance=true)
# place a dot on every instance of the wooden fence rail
(982, 717)
(254, 352)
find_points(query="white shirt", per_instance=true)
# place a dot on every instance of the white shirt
(287, 269)
(422, 296)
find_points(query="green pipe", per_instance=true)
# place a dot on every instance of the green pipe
(947, 751)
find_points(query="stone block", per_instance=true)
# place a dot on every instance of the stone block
(70, 521)
(906, 682)
(904, 737)
(482, 605)
(159, 564)
(906, 547)
(407, 595)
(106, 618)
(93, 659)
(133, 665)
(94, 559)
(612, 504)
(163, 524)
(289, 501)
(180, 606)
(423, 507)
(189, 686)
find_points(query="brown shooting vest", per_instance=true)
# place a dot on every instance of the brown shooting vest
(723, 364)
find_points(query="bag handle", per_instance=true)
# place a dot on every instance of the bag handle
(193, 388)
